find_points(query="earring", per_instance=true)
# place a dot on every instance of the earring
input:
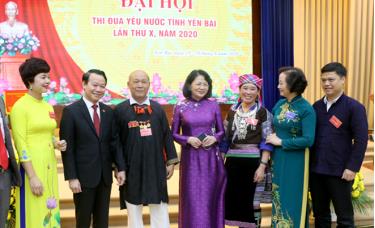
(31, 87)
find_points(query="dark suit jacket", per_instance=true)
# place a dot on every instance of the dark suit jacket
(89, 156)
(13, 166)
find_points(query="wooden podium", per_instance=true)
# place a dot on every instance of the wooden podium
(9, 70)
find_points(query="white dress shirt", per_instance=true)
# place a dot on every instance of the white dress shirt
(89, 105)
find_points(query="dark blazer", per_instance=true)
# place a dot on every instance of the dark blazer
(13, 166)
(342, 147)
(89, 156)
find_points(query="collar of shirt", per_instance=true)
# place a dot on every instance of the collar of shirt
(330, 103)
(89, 105)
(145, 102)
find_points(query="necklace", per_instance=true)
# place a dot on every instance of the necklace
(241, 121)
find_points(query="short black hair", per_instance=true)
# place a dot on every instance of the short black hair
(186, 90)
(295, 79)
(30, 68)
(336, 67)
(86, 76)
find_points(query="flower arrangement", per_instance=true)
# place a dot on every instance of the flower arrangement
(23, 44)
(60, 94)
(361, 201)
(11, 219)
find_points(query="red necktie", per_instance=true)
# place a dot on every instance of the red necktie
(4, 162)
(96, 120)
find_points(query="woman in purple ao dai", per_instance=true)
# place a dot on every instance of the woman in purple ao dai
(198, 127)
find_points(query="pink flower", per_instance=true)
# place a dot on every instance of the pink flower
(52, 85)
(20, 46)
(162, 101)
(180, 96)
(63, 82)
(4, 85)
(51, 203)
(234, 82)
(156, 83)
(52, 102)
(9, 47)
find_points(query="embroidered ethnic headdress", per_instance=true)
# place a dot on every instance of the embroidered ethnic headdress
(251, 78)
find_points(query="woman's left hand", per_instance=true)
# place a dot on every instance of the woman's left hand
(60, 145)
(259, 173)
(208, 141)
(273, 139)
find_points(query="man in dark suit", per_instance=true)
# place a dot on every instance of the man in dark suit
(338, 151)
(89, 130)
(9, 171)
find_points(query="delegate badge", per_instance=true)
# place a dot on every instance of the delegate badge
(145, 128)
(335, 121)
(133, 124)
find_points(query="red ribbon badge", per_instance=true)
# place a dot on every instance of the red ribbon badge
(132, 124)
(335, 121)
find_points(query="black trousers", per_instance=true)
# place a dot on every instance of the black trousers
(93, 202)
(324, 189)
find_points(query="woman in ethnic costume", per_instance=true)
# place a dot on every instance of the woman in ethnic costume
(294, 124)
(198, 127)
(247, 126)
(33, 126)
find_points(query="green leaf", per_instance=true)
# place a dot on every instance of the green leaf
(57, 217)
(47, 218)
(363, 203)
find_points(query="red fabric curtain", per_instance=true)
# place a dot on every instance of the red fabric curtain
(36, 14)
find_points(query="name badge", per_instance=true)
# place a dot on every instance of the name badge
(145, 128)
(335, 121)
(145, 132)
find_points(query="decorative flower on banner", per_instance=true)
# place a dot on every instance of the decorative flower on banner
(156, 83)
(52, 101)
(52, 86)
(63, 85)
(107, 97)
(234, 82)
(59, 93)
(4, 85)
(125, 92)
(23, 44)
